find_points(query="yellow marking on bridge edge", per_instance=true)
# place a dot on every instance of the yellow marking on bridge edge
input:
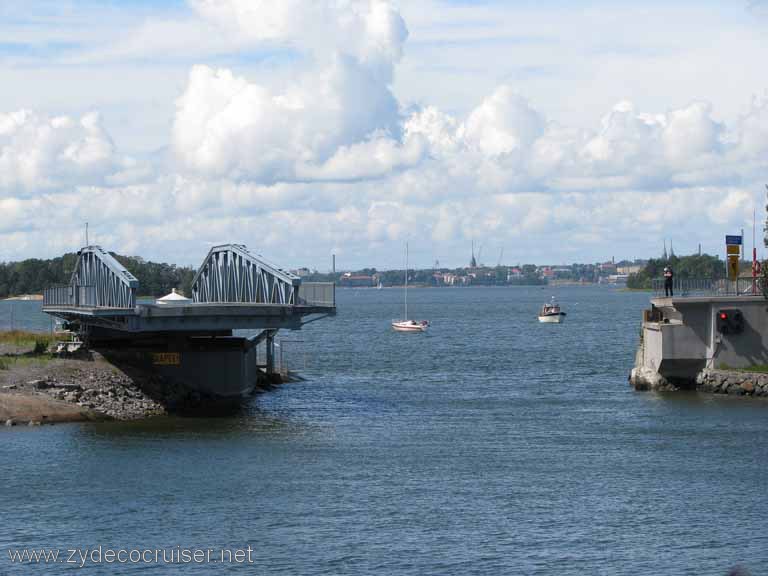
(166, 358)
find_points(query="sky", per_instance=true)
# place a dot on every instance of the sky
(542, 132)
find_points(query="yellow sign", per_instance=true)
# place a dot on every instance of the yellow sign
(733, 249)
(166, 359)
(733, 267)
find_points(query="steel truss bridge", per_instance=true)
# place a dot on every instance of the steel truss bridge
(191, 342)
(232, 290)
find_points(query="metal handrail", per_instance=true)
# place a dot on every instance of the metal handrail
(71, 296)
(317, 294)
(60, 295)
(692, 287)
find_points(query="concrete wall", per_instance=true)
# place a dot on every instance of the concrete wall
(685, 340)
(694, 338)
(221, 367)
(215, 372)
(652, 346)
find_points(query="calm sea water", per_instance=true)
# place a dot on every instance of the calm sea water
(491, 445)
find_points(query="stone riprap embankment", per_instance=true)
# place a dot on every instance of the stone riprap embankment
(709, 380)
(732, 382)
(44, 390)
(106, 392)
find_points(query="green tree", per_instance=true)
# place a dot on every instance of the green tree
(696, 266)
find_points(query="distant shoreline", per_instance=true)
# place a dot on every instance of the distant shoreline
(25, 297)
(551, 285)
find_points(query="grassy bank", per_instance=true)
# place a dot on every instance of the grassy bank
(755, 368)
(14, 343)
(22, 338)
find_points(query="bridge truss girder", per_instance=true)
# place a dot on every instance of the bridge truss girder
(232, 274)
(101, 281)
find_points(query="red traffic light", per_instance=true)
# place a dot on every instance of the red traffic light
(723, 316)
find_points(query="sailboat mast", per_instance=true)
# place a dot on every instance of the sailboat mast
(406, 281)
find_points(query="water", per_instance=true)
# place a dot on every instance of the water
(24, 315)
(490, 445)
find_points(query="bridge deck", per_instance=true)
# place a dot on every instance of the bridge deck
(193, 317)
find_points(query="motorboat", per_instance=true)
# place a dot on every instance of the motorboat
(408, 325)
(550, 312)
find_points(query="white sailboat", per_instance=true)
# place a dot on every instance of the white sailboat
(407, 325)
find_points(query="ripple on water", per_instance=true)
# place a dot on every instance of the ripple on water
(492, 444)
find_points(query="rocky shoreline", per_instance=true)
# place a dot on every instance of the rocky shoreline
(77, 389)
(38, 389)
(732, 382)
(709, 380)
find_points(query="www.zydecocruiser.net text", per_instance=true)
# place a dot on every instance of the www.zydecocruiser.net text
(103, 555)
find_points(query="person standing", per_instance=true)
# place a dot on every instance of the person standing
(668, 275)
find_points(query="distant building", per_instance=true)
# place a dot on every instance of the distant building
(350, 280)
(514, 274)
(607, 268)
(450, 279)
(302, 272)
(618, 278)
(629, 269)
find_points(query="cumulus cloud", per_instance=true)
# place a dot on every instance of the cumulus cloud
(340, 120)
(371, 31)
(503, 124)
(39, 152)
(332, 155)
(226, 125)
(690, 133)
(752, 131)
(503, 169)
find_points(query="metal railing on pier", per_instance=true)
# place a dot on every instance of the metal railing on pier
(310, 294)
(693, 287)
(70, 296)
(58, 296)
(317, 294)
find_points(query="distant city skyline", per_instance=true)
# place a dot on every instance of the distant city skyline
(560, 132)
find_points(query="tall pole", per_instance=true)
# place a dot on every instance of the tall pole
(741, 254)
(406, 281)
(754, 256)
(86, 234)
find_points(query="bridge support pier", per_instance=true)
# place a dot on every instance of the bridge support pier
(270, 345)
